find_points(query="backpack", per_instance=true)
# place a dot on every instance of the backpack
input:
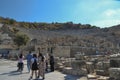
(35, 62)
(34, 65)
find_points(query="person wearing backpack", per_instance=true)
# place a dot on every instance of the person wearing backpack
(34, 66)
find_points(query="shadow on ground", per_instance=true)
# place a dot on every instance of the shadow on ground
(71, 77)
(13, 73)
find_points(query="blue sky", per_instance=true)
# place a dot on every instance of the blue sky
(102, 13)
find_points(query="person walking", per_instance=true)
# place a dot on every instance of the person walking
(46, 61)
(41, 66)
(34, 66)
(51, 62)
(29, 57)
(20, 62)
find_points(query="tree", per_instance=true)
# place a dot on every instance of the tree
(11, 21)
(21, 39)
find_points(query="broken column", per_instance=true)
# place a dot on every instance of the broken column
(115, 67)
(77, 66)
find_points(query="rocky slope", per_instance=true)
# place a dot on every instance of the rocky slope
(69, 33)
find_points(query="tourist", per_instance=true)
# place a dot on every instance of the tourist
(51, 62)
(41, 66)
(29, 57)
(20, 62)
(46, 61)
(34, 66)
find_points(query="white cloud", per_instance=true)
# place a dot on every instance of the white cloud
(106, 23)
(107, 18)
(111, 13)
(103, 13)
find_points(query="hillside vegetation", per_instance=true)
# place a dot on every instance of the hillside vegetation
(45, 26)
(66, 34)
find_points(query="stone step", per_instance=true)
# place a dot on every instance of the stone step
(91, 77)
(69, 70)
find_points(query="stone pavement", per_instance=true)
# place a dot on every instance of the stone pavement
(8, 72)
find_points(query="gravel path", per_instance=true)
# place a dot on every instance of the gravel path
(8, 72)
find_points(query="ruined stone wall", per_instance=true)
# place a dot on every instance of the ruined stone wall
(83, 50)
(61, 51)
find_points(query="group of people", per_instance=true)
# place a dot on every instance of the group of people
(36, 64)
